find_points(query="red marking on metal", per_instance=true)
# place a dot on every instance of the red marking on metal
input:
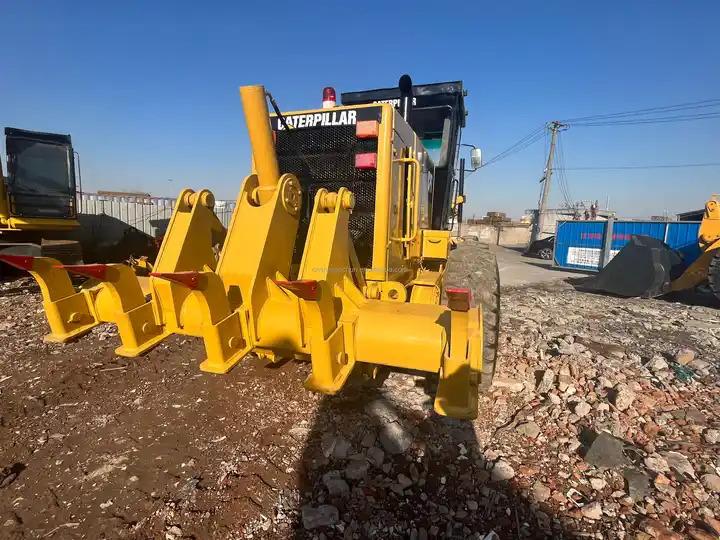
(190, 279)
(23, 262)
(97, 271)
(307, 289)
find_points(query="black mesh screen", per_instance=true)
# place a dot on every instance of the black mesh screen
(324, 157)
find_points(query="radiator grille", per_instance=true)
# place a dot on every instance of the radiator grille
(324, 157)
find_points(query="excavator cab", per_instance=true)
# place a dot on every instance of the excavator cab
(38, 205)
(41, 176)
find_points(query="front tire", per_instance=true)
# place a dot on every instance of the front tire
(473, 265)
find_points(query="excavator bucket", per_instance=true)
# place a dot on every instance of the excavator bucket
(644, 267)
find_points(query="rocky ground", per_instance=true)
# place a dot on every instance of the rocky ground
(603, 423)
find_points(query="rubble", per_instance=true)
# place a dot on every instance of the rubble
(322, 516)
(502, 471)
(590, 430)
(606, 452)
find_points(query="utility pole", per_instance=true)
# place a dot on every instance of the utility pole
(554, 128)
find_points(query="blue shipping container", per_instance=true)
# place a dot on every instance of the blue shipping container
(579, 244)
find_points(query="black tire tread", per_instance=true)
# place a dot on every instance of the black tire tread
(714, 274)
(472, 264)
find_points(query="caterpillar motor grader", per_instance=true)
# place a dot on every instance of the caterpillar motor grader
(330, 255)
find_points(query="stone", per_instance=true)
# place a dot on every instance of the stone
(710, 523)
(368, 439)
(324, 515)
(606, 452)
(700, 366)
(299, 433)
(657, 363)
(502, 471)
(711, 436)
(356, 469)
(699, 534)
(546, 380)
(664, 485)
(334, 445)
(174, 532)
(380, 409)
(540, 492)
(711, 482)
(511, 385)
(394, 438)
(637, 484)
(598, 483)
(684, 356)
(592, 511)
(336, 486)
(404, 481)
(657, 464)
(679, 463)
(657, 530)
(472, 505)
(622, 397)
(376, 456)
(582, 408)
(529, 429)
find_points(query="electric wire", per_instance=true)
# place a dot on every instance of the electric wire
(651, 110)
(657, 120)
(529, 139)
(631, 167)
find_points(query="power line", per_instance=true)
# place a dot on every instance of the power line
(657, 120)
(529, 139)
(659, 166)
(651, 110)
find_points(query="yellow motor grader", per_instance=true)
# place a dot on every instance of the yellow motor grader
(337, 253)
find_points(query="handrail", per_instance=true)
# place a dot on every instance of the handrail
(412, 204)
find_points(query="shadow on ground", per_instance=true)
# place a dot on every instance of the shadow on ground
(380, 463)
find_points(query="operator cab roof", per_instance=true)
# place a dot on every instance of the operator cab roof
(438, 112)
(432, 103)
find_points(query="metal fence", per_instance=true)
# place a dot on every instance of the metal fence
(590, 245)
(148, 214)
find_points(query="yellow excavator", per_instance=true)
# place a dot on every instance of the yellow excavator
(647, 267)
(38, 196)
(338, 253)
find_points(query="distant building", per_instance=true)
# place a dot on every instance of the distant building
(552, 216)
(692, 215)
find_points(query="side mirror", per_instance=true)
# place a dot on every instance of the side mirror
(476, 158)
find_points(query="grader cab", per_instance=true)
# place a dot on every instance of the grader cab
(329, 257)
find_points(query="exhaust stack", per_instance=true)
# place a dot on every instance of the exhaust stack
(406, 96)
(257, 119)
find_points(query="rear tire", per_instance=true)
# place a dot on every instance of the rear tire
(473, 265)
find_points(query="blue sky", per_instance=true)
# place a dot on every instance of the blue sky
(148, 90)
